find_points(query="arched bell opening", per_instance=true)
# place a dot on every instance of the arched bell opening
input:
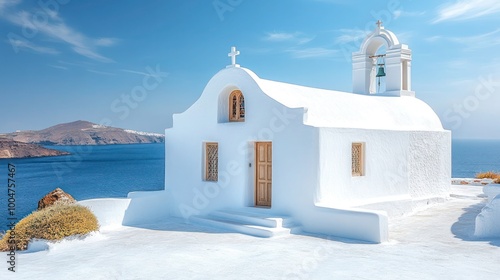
(378, 70)
(382, 65)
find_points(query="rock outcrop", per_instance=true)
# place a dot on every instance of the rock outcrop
(15, 149)
(57, 195)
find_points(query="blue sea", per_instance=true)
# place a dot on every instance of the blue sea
(115, 170)
(470, 157)
(89, 172)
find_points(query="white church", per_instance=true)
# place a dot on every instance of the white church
(267, 158)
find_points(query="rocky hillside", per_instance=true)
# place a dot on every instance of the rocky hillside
(15, 149)
(84, 133)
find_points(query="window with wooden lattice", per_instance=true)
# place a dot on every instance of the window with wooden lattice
(236, 106)
(357, 159)
(211, 161)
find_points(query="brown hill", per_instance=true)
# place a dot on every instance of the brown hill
(84, 133)
(15, 149)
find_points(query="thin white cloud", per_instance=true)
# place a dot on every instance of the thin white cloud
(279, 36)
(296, 45)
(58, 67)
(434, 38)
(481, 41)
(56, 28)
(397, 14)
(6, 3)
(296, 37)
(145, 73)
(405, 37)
(85, 51)
(467, 9)
(335, 1)
(312, 52)
(135, 72)
(18, 44)
(105, 42)
(400, 13)
(351, 35)
(490, 39)
(80, 64)
(101, 72)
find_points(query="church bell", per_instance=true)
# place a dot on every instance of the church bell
(381, 72)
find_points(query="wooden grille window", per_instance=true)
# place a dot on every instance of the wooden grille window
(236, 106)
(211, 162)
(357, 159)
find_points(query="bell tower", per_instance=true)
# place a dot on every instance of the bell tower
(395, 64)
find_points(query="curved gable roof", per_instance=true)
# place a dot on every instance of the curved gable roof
(329, 108)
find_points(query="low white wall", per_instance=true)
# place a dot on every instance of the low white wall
(146, 207)
(366, 225)
(109, 211)
(138, 208)
(488, 221)
(491, 191)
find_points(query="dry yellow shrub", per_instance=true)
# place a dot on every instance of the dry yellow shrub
(52, 223)
(487, 175)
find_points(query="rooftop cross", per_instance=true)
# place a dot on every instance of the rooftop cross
(233, 55)
(379, 23)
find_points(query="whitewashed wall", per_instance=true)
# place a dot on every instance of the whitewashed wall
(429, 164)
(398, 165)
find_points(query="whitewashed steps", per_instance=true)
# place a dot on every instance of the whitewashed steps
(251, 223)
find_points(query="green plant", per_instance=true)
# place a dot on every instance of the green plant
(52, 223)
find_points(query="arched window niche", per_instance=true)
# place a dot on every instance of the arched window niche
(231, 106)
(236, 106)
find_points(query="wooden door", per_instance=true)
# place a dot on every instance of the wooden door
(263, 173)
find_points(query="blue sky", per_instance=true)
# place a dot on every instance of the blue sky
(132, 64)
